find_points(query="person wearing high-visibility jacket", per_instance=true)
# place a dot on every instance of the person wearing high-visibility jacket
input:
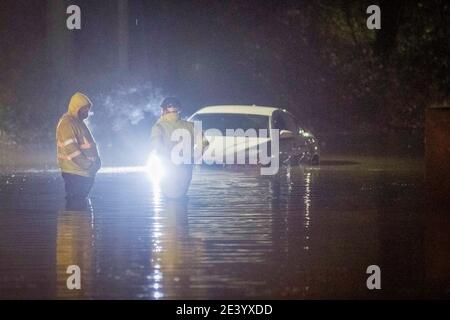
(177, 177)
(77, 152)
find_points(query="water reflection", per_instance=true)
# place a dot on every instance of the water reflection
(75, 245)
(307, 202)
(156, 247)
(174, 252)
(291, 230)
(306, 233)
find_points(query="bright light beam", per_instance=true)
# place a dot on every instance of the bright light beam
(154, 168)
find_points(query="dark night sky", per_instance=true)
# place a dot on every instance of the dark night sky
(199, 52)
(317, 59)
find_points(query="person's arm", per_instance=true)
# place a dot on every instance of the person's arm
(68, 142)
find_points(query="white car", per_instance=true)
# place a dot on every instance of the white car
(296, 145)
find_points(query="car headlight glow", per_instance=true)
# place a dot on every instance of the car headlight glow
(155, 168)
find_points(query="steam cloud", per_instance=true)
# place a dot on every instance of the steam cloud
(128, 104)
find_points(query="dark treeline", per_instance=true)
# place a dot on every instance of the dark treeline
(316, 58)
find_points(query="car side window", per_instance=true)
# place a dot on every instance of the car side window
(290, 122)
(278, 122)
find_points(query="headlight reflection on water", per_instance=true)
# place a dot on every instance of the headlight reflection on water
(155, 169)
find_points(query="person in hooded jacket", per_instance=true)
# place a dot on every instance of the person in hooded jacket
(77, 152)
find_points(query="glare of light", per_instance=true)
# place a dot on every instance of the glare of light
(157, 277)
(155, 169)
(307, 202)
(157, 235)
(121, 170)
(307, 197)
(305, 133)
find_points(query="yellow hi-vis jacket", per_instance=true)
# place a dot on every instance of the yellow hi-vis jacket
(160, 140)
(76, 149)
(176, 178)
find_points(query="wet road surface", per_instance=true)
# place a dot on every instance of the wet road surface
(310, 232)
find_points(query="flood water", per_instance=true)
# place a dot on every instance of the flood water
(310, 232)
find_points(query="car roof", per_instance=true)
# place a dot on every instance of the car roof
(240, 109)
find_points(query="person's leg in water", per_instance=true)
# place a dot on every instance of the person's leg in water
(77, 191)
(176, 182)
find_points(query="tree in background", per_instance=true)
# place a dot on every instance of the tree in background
(317, 59)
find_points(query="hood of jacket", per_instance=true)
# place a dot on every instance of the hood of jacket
(77, 102)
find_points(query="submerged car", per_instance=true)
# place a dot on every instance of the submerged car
(296, 145)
